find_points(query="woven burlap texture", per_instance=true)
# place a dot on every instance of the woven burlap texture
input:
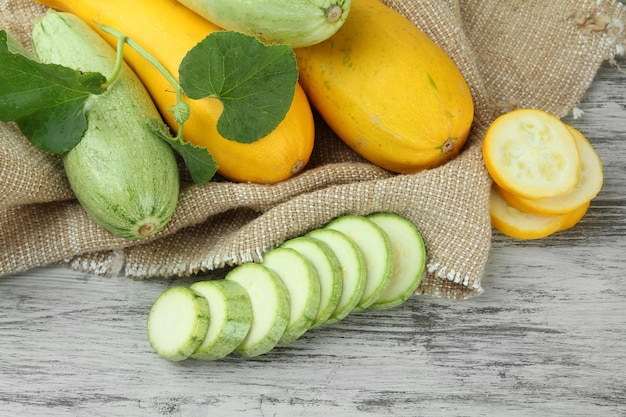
(513, 54)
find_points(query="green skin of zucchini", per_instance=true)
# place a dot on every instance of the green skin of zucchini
(123, 175)
(298, 23)
(236, 313)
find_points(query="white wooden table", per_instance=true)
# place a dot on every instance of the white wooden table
(547, 338)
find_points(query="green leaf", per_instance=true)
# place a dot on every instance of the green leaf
(198, 160)
(55, 130)
(46, 100)
(255, 82)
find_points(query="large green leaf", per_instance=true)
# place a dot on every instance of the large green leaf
(255, 82)
(46, 100)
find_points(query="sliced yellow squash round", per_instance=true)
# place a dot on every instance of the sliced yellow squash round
(518, 224)
(588, 186)
(572, 218)
(532, 154)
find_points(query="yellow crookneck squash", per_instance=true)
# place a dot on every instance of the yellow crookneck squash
(168, 30)
(388, 90)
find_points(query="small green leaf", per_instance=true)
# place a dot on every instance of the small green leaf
(47, 101)
(198, 160)
(255, 82)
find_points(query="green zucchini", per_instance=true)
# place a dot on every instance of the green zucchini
(121, 172)
(298, 23)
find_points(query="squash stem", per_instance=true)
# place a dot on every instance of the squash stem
(180, 116)
(119, 60)
(334, 13)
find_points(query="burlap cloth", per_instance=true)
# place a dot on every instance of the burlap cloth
(532, 53)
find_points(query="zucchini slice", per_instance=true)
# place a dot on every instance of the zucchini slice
(328, 270)
(376, 248)
(353, 270)
(301, 279)
(409, 259)
(270, 303)
(177, 323)
(230, 312)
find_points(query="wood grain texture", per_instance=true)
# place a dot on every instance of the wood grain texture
(547, 338)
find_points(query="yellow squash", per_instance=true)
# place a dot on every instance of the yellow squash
(167, 30)
(388, 90)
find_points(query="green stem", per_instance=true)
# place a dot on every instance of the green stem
(123, 39)
(119, 60)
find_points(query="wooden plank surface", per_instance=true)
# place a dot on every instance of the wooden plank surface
(547, 338)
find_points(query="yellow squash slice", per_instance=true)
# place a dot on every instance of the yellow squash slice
(588, 186)
(572, 218)
(532, 154)
(518, 224)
